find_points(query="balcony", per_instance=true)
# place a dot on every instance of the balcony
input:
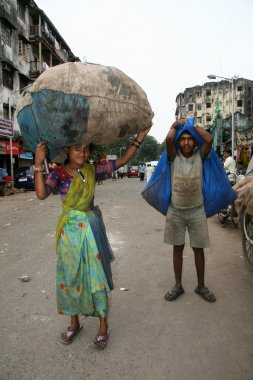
(34, 31)
(49, 41)
(34, 71)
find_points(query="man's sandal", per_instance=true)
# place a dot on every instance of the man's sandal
(101, 341)
(205, 294)
(174, 293)
(68, 336)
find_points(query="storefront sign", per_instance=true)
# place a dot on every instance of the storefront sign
(15, 148)
(26, 155)
(6, 128)
(244, 139)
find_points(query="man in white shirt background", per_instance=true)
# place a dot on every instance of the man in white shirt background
(148, 172)
(229, 165)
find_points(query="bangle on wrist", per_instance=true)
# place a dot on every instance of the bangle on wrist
(138, 142)
(36, 169)
(136, 146)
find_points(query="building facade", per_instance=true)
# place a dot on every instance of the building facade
(29, 44)
(211, 105)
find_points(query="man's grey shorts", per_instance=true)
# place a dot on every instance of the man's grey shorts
(194, 219)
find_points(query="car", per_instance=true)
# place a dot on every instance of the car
(133, 171)
(24, 178)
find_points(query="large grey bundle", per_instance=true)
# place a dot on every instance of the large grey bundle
(82, 103)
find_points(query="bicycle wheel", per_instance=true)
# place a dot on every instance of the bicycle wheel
(247, 239)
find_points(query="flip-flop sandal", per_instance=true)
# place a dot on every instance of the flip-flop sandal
(101, 341)
(174, 293)
(68, 336)
(205, 294)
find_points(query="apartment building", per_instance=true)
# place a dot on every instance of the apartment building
(29, 44)
(201, 101)
(211, 104)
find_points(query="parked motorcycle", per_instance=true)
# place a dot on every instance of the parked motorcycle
(227, 214)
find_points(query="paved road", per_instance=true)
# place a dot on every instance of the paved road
(150, 338)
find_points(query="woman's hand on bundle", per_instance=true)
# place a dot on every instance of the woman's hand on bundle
(41, 153)
(141, 135)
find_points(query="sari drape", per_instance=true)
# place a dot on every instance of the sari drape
(82, 282)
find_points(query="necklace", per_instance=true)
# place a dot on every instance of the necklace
(72, 170)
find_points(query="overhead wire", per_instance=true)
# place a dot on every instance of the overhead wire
(138, 26)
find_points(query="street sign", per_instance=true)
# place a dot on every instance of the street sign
(6, 128)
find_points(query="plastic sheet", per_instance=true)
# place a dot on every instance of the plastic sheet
(217, 191)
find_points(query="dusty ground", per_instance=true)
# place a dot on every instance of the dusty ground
(150, 338)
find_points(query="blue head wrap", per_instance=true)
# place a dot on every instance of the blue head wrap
(188, 127)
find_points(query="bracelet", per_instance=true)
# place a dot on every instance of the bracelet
(136, 146)
(38, 169)
(139, 142)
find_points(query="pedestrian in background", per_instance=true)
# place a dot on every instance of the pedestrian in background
(83, 274)
(148, 172)
(121, 172)
(142, 172)
(187, 209)
(3, 174)
(229, 165)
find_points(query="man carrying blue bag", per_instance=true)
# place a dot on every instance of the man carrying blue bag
(186, 208)
(189, 179)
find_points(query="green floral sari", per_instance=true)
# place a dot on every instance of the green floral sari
(81, 283)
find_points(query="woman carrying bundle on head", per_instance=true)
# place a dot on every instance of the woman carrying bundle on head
(83, 274)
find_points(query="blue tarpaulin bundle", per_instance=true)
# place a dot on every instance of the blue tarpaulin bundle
(82, 103)
(217, 190)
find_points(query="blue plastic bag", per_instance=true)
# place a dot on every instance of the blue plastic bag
(217, 190)
(157, 191)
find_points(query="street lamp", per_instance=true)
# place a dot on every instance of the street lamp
(231, 80)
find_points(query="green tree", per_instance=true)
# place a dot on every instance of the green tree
(148, 150)
(161, 147)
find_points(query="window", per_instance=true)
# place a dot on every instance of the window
(198, 93)
(199, 106)
(190, 107)
(208, 118)
(21, 11)
(239, 103)
(6, 34)
(190, 95)
(208, 92)
(199, 120)
(6, 111)
(239, 88)
(8, 78)
(24, 50)
(208, 105)
(23, 82)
